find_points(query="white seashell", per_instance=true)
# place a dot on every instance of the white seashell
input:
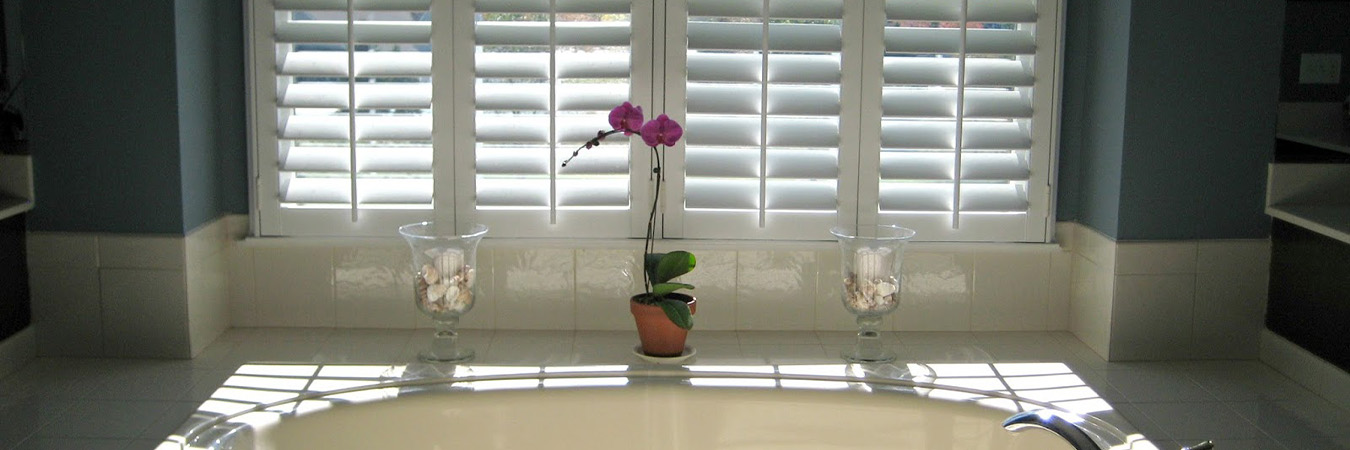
(436, 291)
(885, 288)
(430, 274)
(451, 293)
(465, 298)
(872, 263)
(450, 261)
(469, 277)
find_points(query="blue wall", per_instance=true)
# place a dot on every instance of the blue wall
(135, 113)
(1172, 145)
(102, 115)
(1092, 132)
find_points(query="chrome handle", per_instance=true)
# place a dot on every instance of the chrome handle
(1053, 422)
(1207, 445)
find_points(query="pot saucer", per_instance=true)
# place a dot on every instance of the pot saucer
(688, 352)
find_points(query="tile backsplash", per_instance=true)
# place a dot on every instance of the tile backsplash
(557, 287)
(1128, 300)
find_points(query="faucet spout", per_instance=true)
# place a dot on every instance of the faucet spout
(1053, 422)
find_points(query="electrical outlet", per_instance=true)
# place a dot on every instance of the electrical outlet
(1320, 68)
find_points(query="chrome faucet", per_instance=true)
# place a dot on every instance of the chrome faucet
(1053, 422)
(1060, 424)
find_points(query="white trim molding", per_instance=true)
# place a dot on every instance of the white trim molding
(1314, 373)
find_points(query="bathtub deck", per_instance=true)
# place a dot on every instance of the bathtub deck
(134, 403)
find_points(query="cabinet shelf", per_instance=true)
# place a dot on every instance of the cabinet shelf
(1332, 221)
(16, 185)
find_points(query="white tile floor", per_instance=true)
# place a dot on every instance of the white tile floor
(70, 403)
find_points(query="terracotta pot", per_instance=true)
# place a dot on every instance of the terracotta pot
(660, 337)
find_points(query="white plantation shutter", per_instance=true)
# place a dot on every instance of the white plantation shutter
(547, 74)
(966, 119)
(765, 95)
(799, 115)
(347, 123)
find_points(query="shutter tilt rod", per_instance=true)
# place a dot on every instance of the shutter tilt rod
(960, 116)
(351, 103)
(764, 115)
(553, 112)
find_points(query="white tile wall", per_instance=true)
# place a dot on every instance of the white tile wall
(714, 280)
(144, 313)
(98, 294)
(294, 287)
(536, 289)
(935, 293)
(605, 280)
(1210, 291)
(207, 281)
(1011, 291)
(373, 288)
(1091, 290)
(776, 290)
(1152, 316)
(1167, 300)
(141, 252)
(1140, 258)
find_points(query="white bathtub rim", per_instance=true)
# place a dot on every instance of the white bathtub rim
(1101, 429)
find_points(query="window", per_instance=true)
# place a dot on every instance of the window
(800, 115)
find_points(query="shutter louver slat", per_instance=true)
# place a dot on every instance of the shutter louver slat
(376, 159)
(508, 97)
(950, 11)
(512, 160)
(334, 64)
(937, 166)
(723, 162)
(727, 194)
(319, 32)
(803, 100)
(809, 69)
(948, 41)
(360, 5)
(748, 36)
(730, 131)
(724, 67)
(511, 65)
(541, 6)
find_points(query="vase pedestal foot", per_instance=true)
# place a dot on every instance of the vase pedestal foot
(445, 346)
(869, 347)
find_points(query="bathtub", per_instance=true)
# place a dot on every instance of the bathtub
(638, 408)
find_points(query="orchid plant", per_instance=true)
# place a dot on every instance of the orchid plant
(658, 268)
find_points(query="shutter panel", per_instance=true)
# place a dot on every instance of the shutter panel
(545, 81)
(960, 155)
(763, 118)
(378, 78)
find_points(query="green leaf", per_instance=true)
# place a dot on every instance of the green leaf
(678, 313)
(661, 289)
(650, 262)
(672, 265)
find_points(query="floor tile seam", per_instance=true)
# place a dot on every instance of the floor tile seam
(1260, 430)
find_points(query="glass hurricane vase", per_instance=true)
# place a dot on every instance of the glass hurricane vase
(444, 283)
(870, 258)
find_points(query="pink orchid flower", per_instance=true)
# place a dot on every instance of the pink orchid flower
(661, 130)
(626, 117)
